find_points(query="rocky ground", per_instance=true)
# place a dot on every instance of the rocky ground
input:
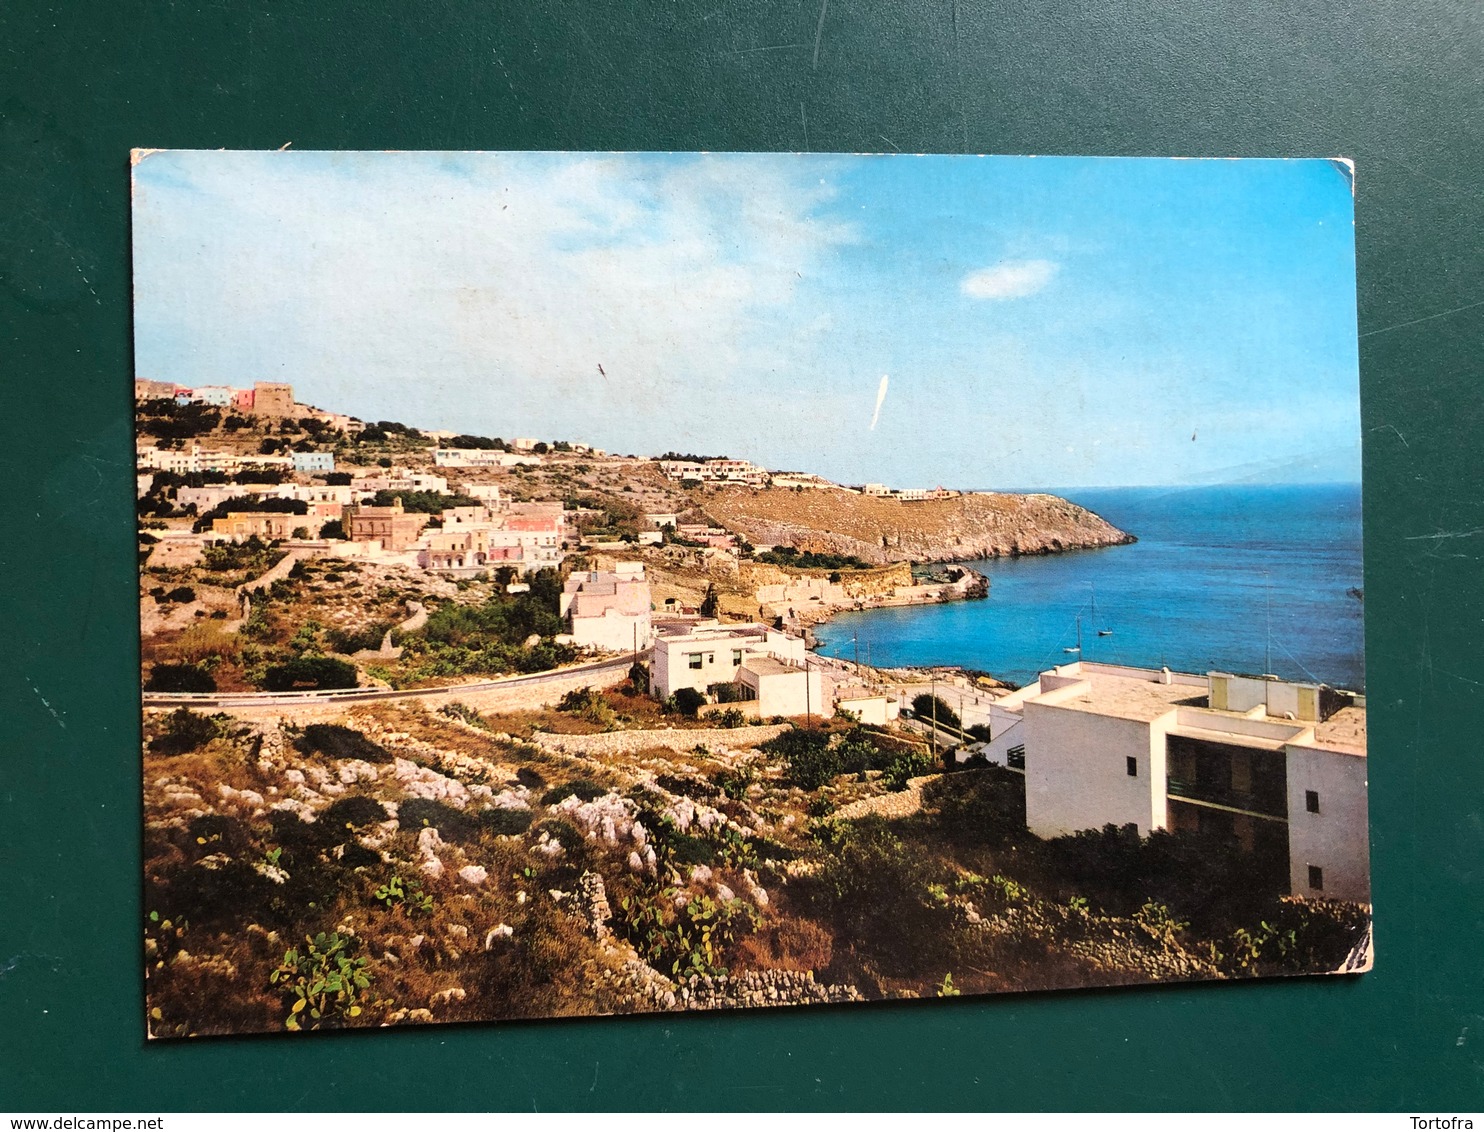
(404, 865)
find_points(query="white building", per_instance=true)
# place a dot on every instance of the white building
(1266, 763)
(479, 458)
(867, 706)
(608, 609)
(779, 687)
(709, 653)
(715, 471)
(195, 459)
(314, 461)
(400, 479)
(486, 493)
(218, 395)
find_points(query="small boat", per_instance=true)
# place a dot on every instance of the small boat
(1105, 632)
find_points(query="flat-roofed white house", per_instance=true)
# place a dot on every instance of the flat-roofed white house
(867, 706)
(608, 609)
(782, 687)
(1267, 763)
(314, 461)
(706, 653)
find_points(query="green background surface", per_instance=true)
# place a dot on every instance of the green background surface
(1395, 86)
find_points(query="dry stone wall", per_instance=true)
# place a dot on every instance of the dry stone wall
(677, 739)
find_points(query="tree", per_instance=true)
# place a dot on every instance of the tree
(333, 529)
(711, 602)
(688, 701)
(179, 678)
(932, 708)
(639, 678)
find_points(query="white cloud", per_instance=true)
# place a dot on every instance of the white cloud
(1009, 279)
(430, 281)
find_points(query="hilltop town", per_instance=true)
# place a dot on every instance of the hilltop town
(515, 727)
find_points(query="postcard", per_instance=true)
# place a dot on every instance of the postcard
(582, 584)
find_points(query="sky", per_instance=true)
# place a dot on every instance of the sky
(1038, 322)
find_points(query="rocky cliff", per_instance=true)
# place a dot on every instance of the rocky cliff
(978, 525)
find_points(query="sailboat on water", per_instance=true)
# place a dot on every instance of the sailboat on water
(1093, 617)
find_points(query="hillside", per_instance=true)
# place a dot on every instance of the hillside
(979, 525)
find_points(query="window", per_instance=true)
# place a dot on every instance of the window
(1311, 801)
(710, 658)
(1131, 765)
(736, 656)
(1316, 878)
(1015, 757)
(694, 660)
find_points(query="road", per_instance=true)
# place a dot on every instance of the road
(616, 667)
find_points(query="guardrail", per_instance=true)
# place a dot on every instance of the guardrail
(341, 695)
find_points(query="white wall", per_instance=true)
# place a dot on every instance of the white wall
(786, 694)
(876, 710)
(613, 631)
(995, 751)
(1076, 776)
(1335, 838)
(719, 659)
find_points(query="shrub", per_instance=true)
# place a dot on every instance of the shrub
(876, 888)
(684, 937)
(456, 710)
(184, 731)
(454, 825)
(734, 783)
(729, 692)
(585, 789)
(506, 823)
(323, 983)
(857, 753)
(352, 812)
(564, 833)
(905, 765)
(530, 778)
(340, 743)
(1296, 935)
(985, 807)
(639, 678)
(179, 678)
(406, 895)
(589, 705)
(181, 594)
(811, 762)
(731, 717)
(687, 701)
(354, 640)
(311, 672)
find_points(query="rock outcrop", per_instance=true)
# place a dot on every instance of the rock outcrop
(874, 529)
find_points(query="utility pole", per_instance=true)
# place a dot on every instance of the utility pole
(933, 726)
(855, 640)
(808, 707)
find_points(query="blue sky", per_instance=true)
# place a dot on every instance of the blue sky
(1041, 321)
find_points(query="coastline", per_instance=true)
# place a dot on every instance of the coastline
(969, 585)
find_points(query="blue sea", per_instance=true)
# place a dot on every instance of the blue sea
(1236, 578)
